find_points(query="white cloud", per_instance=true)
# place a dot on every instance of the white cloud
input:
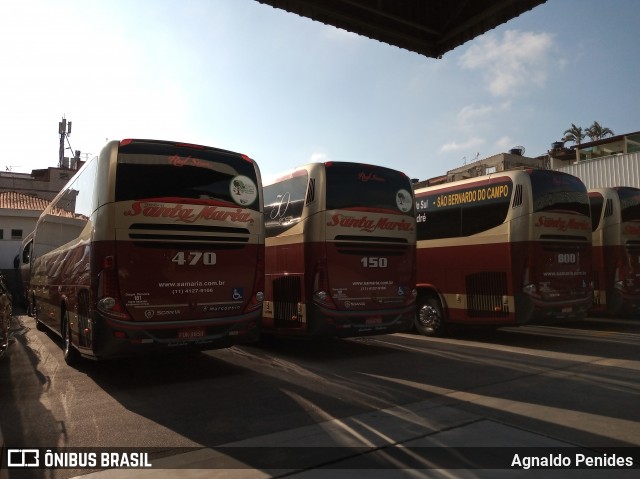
(455, 146)
(472, 113)
(318, 158)
(510, 64)
(504, 143)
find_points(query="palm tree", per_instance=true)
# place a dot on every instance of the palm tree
(597, 132)
(574, 134)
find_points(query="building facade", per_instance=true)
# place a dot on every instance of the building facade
(23, 197)
(19, 213)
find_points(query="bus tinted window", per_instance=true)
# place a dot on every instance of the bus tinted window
(283, 204)
(365, 186)
(553, 191)
(629, 204)
(463, 211)
(597, 201)
(166, 172)
(440, 224)
(482, 217)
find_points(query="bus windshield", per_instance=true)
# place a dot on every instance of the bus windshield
(170, 173)
(355, 185)
(553, 192)
(629, 204)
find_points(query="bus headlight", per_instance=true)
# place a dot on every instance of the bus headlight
(320, 296)
(259, 296)
(106, 303)
(530, 289)
(323, 298)
(619, 285)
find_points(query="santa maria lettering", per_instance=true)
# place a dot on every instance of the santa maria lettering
(187, 214)
(563, 224)
(364, 223)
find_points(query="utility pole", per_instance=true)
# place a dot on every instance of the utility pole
(64, 130)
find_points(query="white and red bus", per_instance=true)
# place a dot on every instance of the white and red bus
(615, 213)
(340, 251)
(503, 249)
(152, 245)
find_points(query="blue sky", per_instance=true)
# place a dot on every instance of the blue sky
(286, 90)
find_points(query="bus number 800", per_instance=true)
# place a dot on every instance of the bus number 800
(567, 258)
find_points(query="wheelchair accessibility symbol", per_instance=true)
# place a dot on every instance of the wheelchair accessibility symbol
(238, 294)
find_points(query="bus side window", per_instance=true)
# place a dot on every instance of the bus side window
(443, 223)
(479, 218)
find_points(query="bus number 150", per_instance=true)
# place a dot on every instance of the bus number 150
(373, 262)
(194, 258)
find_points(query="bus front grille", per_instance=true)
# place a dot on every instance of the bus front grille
(287, 293)
(485, 292)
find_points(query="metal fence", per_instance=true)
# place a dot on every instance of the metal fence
(617, 170)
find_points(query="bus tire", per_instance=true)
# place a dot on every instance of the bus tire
(31, 306)
(71, 355)
(39, 325)
(429, 318)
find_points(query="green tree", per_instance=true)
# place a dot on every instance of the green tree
(597, 132)
(574, 134)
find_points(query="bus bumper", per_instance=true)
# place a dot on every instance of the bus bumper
(621, 302)
(114, 338)
(329, 322)
(533, 309)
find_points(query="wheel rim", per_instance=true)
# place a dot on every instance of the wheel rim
(428, 317)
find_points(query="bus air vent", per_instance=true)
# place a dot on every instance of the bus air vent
(517, 197)
(311, 192)
(188, 233)
(484, 294)
(608, 209)
(371, 245)
(287, 293)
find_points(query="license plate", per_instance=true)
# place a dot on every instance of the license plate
(190, 333)
(567, 309)
(374, 320)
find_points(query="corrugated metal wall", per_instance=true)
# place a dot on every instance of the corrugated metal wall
(619, 170)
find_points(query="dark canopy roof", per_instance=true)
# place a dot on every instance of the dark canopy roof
(429, 27)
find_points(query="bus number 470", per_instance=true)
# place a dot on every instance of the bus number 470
(194, 258)
(373, 262)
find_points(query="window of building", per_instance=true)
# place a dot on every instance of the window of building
(16, 234)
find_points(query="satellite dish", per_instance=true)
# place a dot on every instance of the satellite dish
(517, 150)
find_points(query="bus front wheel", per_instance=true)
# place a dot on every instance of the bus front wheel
(429, 318)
